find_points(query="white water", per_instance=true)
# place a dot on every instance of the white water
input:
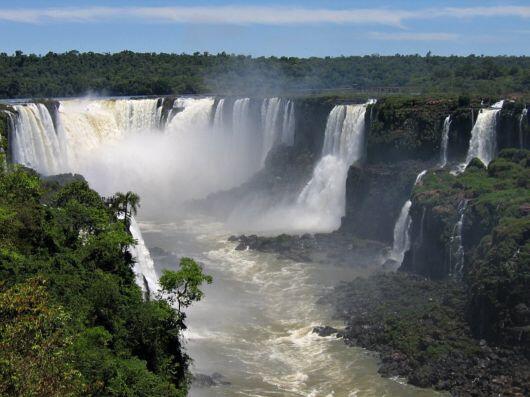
(483, 142)
(270, 112)
(144, 267)
(524, 114)
(277, 123)
(34, 140)
(445, 141)
(456, 247)
(288, 125)
(255, 324)
(401, 242)
(323, 198)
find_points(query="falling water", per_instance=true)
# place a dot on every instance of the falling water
(134, 114)
(277, 124)
(288, 125)
(218, 118)
(401, 243)
(456, 256)
(524, 114)
(323, 198)
(270, 112)
(483, 142)
(144, 268)
(445, 141)
(240, 118)
(35, 142)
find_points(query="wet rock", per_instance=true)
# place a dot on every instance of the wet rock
(325, 331)
(203, 380)
(335, 248)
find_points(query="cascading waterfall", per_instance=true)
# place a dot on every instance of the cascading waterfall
(218, 117)
(35, 143)
(524, 113)
(135, 115)
(456, 247)
(144, 268)
(277, 124)
(324, 195)
(483, 142)
(445, 141)
(401, 243)
(270, 112)
(288, 125)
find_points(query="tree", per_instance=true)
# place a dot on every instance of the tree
(182, 287)
(126, 204)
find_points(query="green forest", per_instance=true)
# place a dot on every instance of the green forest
(74, 322)
(129, 73)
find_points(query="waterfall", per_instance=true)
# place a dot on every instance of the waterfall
(270, 111)
(483, 142)
(524, 113)
(401, 243)
(240, 118)
(445, 141)
(218, 117)
(324, 195)
(136, 114)
(456, 256)
(288, 125)
(192, 114)
(35, 142)
(144, 267)
(244, 147)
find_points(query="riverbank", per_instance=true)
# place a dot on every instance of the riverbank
(419, 329)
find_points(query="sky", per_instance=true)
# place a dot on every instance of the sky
(282, 28)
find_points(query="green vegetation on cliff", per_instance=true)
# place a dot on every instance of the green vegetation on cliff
(129, 73)
(496, 239)
(72, 320)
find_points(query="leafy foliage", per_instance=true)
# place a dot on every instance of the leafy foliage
(72, 319)
(183, 286)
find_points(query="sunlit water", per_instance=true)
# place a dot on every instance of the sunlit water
(255, 324)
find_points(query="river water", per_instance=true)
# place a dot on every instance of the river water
(254, 325)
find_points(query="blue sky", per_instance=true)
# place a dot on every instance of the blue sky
(298, 28)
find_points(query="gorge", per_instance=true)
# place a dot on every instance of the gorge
(370, 179)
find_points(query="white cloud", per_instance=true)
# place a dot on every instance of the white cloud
(264, 15)
(399, 36)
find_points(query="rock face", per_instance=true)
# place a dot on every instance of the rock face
(375, 194)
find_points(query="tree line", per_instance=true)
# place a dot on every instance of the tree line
(130, 73)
